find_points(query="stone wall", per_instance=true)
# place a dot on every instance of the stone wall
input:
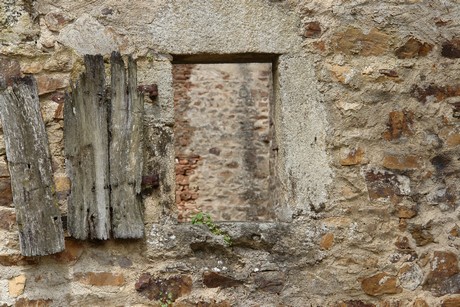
(366, 145)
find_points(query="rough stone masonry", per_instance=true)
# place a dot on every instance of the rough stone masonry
(366, 113)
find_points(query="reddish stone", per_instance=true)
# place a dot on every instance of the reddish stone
(72, 252)
(451, 302)
(402, 243)
(312, 29)
(455, 231)
(353, 41)
(211, 303)
(354, 303)
(438, 92)
(7, 219)
(100, 279)
(413, 48)
(217, 280)
(420, 303)
(24, 302)
(56, 21)
(401, 162)
(327, 241)
(405, 212)
(157, 288)
(399, 124)
(355, 156)
(9, 71)
(51, 83)
(383, 185)
(6, 194)
(17, 259)
(444, 275)
(421, 234)
(379, 284)
(453, 140)
(451, 49)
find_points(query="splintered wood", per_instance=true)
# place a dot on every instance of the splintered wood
(29, 161)
(105, 171)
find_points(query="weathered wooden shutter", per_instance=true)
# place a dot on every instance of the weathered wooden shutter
(29, 161)
(126, 150)
(86, 146)
(103, 145)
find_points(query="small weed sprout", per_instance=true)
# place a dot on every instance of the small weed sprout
(203, 218)
(166, 300)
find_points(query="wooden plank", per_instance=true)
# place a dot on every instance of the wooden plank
(37, 212)
(86, 148)
(126, 150)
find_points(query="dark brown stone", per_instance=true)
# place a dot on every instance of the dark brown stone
(9, 71)
(413, 48)
(217, 280)
(444, 275)
(402, 243)
(451, 302)
(383, 185)
(6, 194)
(441, 162)
(151, 90)
(421, 234)
(406, 212)
(451, 49)
(159, 289)
(270, 281)
(354, 303)
(24, 302)
(439, 92)
(17, 259)
(7, 219)
(389, 73)
(379, 284)
(399, 125)
(312, 29)
(214, 151)
(73, 251)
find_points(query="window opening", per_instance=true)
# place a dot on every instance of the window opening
(223, 140)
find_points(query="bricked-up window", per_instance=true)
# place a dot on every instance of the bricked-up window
(223, 140)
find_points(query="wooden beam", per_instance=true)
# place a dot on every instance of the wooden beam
(86, 148)
(29, 161)
(126, 150)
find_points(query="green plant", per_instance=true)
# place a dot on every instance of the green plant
(166, 300)
(203, 218)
